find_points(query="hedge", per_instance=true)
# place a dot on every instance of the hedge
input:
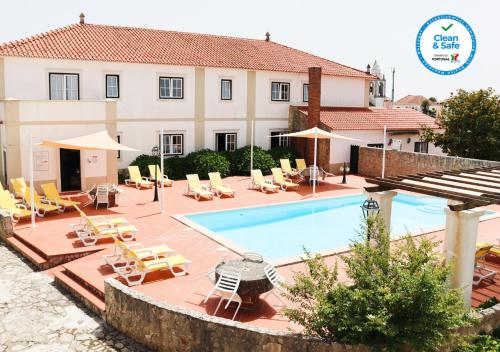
(204, 161)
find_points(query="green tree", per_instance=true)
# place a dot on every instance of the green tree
(425, 106)
(471, 123)
(398, 295)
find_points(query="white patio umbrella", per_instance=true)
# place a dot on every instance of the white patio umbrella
(96, 141)
(317, 133)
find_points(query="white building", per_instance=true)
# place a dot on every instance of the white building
(377, 86)
(204, 91)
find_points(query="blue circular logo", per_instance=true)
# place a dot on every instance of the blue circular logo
(446, 44)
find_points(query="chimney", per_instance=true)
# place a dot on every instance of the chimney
(313, 107)
(368, 69)
(314, 104)
(82, 18)
(268, 36)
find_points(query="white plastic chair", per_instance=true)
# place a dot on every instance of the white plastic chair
(101, 196)
(277, 281)
(226, 288)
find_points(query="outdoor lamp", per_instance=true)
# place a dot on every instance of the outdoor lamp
(155, 151)
(370, 207)
(344, 169)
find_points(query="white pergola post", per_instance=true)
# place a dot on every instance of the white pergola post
(384, 200)
(460, 248)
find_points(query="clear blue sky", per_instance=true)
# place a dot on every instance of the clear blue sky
(353, 33)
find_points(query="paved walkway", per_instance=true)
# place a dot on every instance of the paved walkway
(36, 316)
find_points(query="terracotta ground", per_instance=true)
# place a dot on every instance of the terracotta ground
(52, 237)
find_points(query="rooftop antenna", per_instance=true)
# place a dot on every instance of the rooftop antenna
(393, 73)
(82, 18)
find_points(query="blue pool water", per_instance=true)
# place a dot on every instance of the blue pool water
(283, 230)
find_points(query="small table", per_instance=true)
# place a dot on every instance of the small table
(112, 192)
(253, 282)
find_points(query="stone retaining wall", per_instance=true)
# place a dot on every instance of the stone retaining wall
(404, 163)
(165, 327)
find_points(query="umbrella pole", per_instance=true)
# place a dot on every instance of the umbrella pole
(315, 160)
(32, 184)
(251, 145)
(162, 173)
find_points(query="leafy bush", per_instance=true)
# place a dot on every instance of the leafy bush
(398, 296)
(122, 176)
(483, 343)
(240, 161)
(204, 161)
(283, 153)
(175, 167)
(490, 302)
(143, 160)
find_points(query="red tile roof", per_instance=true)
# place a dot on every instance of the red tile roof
(345, 118)
(151, 46)
(411, 100)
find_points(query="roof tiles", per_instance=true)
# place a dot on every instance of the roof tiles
(151, 46)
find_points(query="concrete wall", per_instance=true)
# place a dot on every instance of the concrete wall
(403, 163)
(165, 327)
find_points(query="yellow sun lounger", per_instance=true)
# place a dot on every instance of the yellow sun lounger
(197, 189)
(218, 186)
(53, 196)
(301, 164)
(135, 178)
(258, 181)
(118, 260)
(285, 183)
(481, 272)
(41, 208)
(152, 169)
(494, 249)
(93, 233)
(139, 268)
(287, 168)
(15, 211)
(99, 220)
(19, 186)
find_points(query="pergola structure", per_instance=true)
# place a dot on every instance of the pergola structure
(466, 190)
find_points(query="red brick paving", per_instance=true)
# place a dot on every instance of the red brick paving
(52, 236)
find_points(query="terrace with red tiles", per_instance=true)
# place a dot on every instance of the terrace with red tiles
(51, 242)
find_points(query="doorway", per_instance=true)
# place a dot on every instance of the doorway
(70, 170)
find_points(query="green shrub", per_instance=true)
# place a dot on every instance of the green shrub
(483, 343)
(490, 302)
(398, 296)
(175, 167)
(142, 161)
(122, 176)
(240, 161)
(283, 153)
(204, 161)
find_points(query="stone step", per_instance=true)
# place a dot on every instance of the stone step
(28, 252)
(78, 290)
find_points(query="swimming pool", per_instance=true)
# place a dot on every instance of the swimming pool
(284, 230)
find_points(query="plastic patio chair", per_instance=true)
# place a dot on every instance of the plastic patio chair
(101, 196)
(226, 288)
(276, 280)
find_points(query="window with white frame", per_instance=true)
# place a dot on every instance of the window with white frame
(173, 144)
(278, 140)
(280, 91)
(171, 88)
(112, 86)
(225, 142)
(226, 89)
(64, 86)
(305, 93)
(421, 147)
